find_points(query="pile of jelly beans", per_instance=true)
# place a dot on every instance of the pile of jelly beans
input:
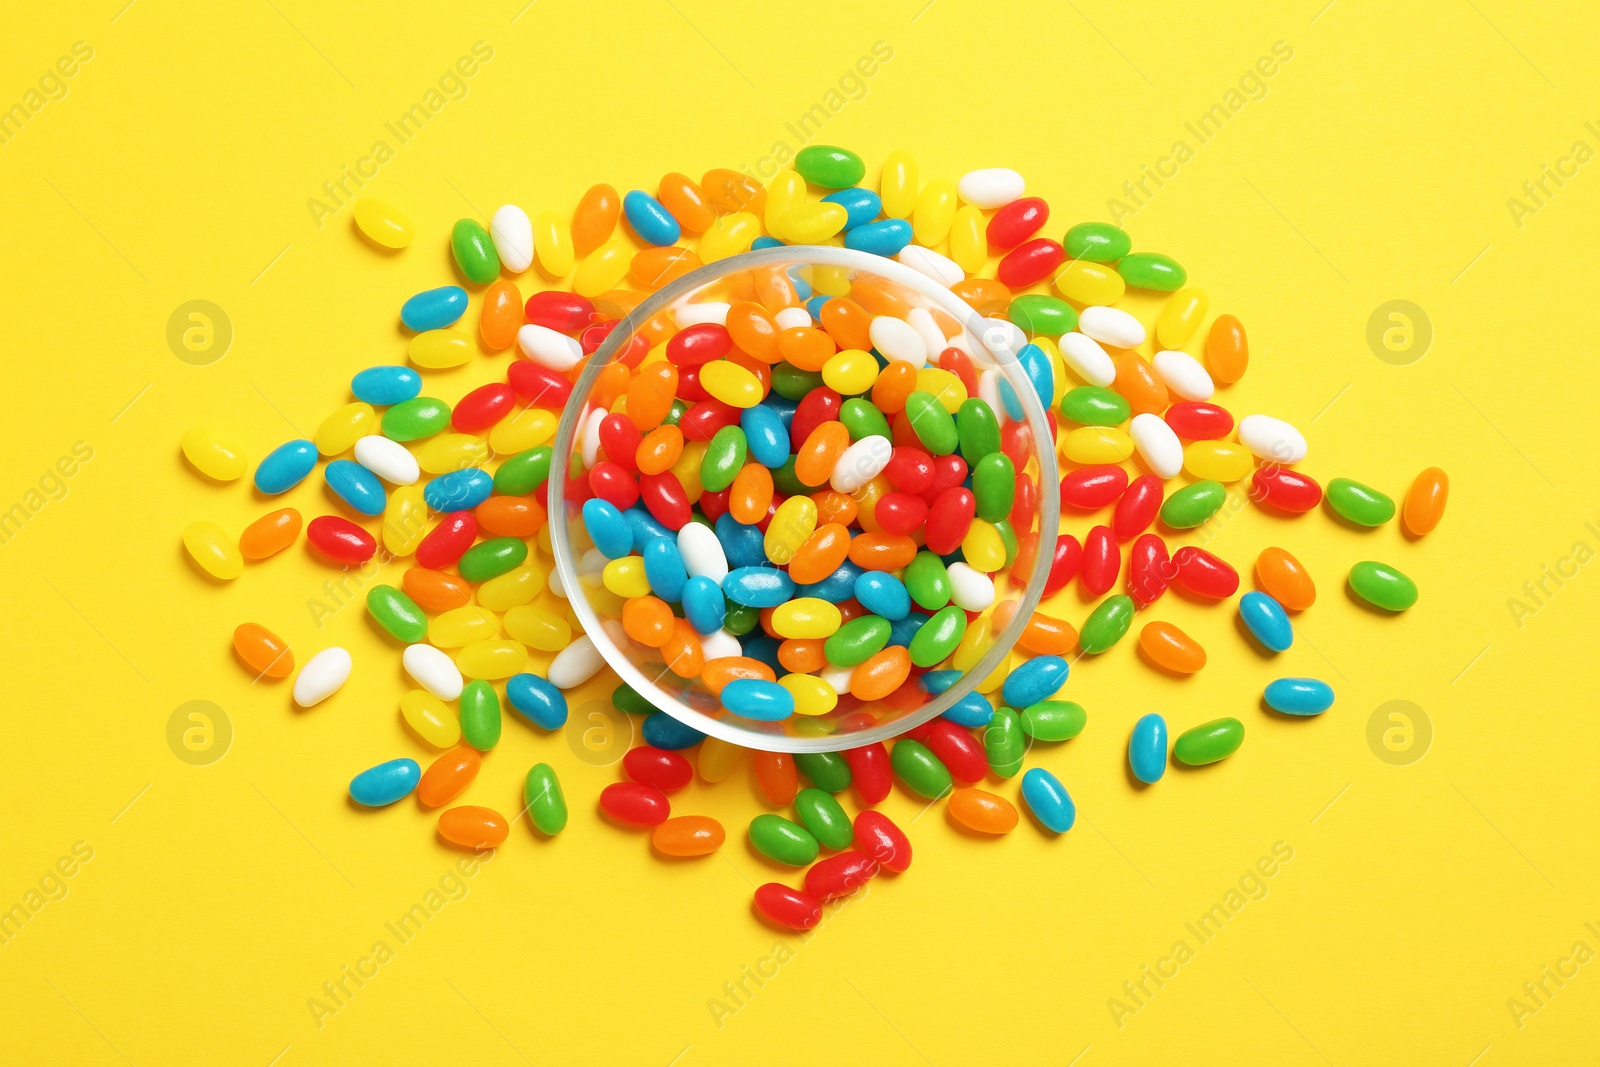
(805, 498)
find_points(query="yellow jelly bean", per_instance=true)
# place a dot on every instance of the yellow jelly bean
(405, 520)
(1181, 316)
(687, 469)
(1059, 368)
(997, 677)
(812, 695)
(969, 242)
(898, 185)
(544, 540)
(806, 618)
(945, 387)
(935, 211)
(430, 718)
(626, 578)
(983, 547)
(212, 456)
(552, 244)
(850, 372)
(462, 626)
(216, 553)
(1084, 282)
(793, 522)
(978, 639)
(1218, 461)
(831, 281)
(437, 349)
(1097, 444)
(811, 223)
(383, 223)
(729, 236)
(785, 192)
(528, 428)
(537, 628)
(492, 659)
(731, 383)
(718, 759)
(815, 726)
(448, 452)
(512, 589)
(339, 431)
(603, 268)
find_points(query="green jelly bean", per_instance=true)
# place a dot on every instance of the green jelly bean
(830, 167)
(785, 481)
(1004, 743)
(1209, 742)
(994, 483)
(1093, 405)
(1382, 586)
(1053, 720)
(792, 383)
(827, 770)
(675, 412)
(825, 818)
(932, 423)
(474, 251)
(397, 613)
(1152, 270)
(863, 419)
(491, 558)
(542, 794)
(938, 637)
(1008, 537)
(1037, 313)
(977, 430)
(928, 581)
(1106, 624)
(1098, 242)
(782, 841)
(524, 472)
(1360, 504)
(919, 769)
(480, 715)
(628, 699)
(739, 619)
(724, 456)
(414, 419)
(1193, 504)
(857, 641)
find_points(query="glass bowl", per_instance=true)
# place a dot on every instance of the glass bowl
(992, 345)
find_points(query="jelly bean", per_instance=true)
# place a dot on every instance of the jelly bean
(652, 222)
(635, 804)
(322, 676)
(1181, 317)
(445, 543)
(553, 245)
(1283, 578)
(1359, 504)
(937, 638)
(839, 876)
(1097, 242)
(663, 731)
(787, 907)
(1035, 680)
(414, 419)
(397, 613)
(1145, 393)
(887, 238)
(477, 828)
(492, 558)
(1030, 263)
(1227, 349)
(460, 490)
(433, 670)
(480, 715)
(919, 769)
(1043, 635)
(666, 771)
(1147, 748)
(387, 459)
(1285, 490)
(542, 797)
(1092, 405)
(968, 246)
(607, 528)
(1272, 439)
(858, 640)
(1107, 624)
(1137, 507)
(972, 711)
(1183, 375)
(1101, 560)
(356, 486)
(688, 835)
(1193, 505)
(1203, 574)
(1048, 800)
(829, 167)
(212, 456)
(386, 385)
(1152, 270)
(340, 540)
(430, 718)
(1091, 488)
(382, 223)
(1299, 696)
(512, 233)
(827, 770)
(824, 818)
(1149, 569)
(1217, 461)
(1017, 221)
(782, 841)
(448, 776)
(1111, 326)
(1194, 421)
(263, 651)
(1382, 586)
(434, 309)
(1209, 742)
(474, 252)
(1004, 743)
(435, 590)
(595, 218)
(285, 467)
(1088, 360)
(483, 407)
(1425, 501)
(758, 587)
(213, 551)
(756, 698)
(385, 784)
(934, 211)
(1053, 720)
(686, 202)
(982, 811)
(1171, 649)
(1064, 562)
(439, 349)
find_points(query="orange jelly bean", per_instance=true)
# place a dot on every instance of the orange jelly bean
(501, 315)
(986, 296)
(881, 551)
(866, 499)
(595, 218)
(436, 590)
(806, 347)
(266, 653)
(895, 382)
(1045, 635)
(815, 459)
(750, 494)
(650, 395)
(775, 289)
(686, 202)
(762, 371)
(648, 620)
(1139, 385)
(730, 191)
(834, 506)
(659, 450)
(879, 297)
(682, 650)
(821, 554)
(448, 775)
(1170, 648)
(983, 811)
(880, 674)
(270, 534)
(655, 267)
(1285, 579)
(754, 331)
(719, 672)
(776, 777)
(1425, 502)
(473, 827)
(847, 322)
(1227, 350)
(612, 383)
(688, 835)
(801, 655)
(511, 516)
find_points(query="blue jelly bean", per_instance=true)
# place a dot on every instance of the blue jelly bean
(971, 711)
(386, 386)
(1047, 798)
(884, 238)
(883, 594)
(901, 631)
(286, 467)
(765, 436)
(1266, 621)
(743, 545)
(536, 700)
(860, 205)
(757, 698)
(607, 528)
(1299, 696)
(663, 731)
(784, 407)
(765, 242)
(663, 568)
(814, 306)
(1147, 748)
(758, 587)
(1035, 680)
(434, 309)
(653, 223)
(386, 783)
(644, 527)
(460, 490)
(763, 647)
(836, 588)
(356, 486)
(797, 275)
(936, 682)
(703, 604)
(1037, 367)
(1010, 401)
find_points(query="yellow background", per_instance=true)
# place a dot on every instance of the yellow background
(1376, 167)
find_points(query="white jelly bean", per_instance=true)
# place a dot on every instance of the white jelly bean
(433, 670)
(790, 318)
(512, 234)
(921, 320)
(897, 341)
(686, 315)
(1272, 439)
(1087, 359)
(1158, 445)
(941, 269)
(576, 664)
(838, 677)
(548, 348)
(322, 676)
(990, 188)
(1001, 337)
(591, 436)
(555, 585)
(1111, 326)
(860, 463)
(970, 589)
(389, 460)
(702, 553)
(1183, 374)
(989, 393)
(720, 645)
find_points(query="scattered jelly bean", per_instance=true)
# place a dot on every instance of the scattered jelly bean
(1193, 505)
(1053, 720)
(787, 907)
(1147, 748)
(1034, 681)
(542, 796)
(919, 769)
(1299, 696)
(397, 613)
(285, 467)
(830, 167)
(322, 676)
(356, 486)
(1203, 574)
(982, 811)
(537, 700)
(434, 309)
(1048, 800)
(1097, 242)
(383, 223)
(1004, 743)
(1266, 621)
(1171, 649)
(663, 731)
(263, 651)
(782, 841)
(447, 776)
(1285, 579)
(474, 253)
(1425, 501)
(386, 386)
(635, 803)
(213, 550)
(1208, 742)
(822, 815)
(385, 784)
(474, 827)
(480, 715)
(1359, 504)
(1107, 624)
(340, 540)
(1152, 270)
(688, 835)
(1285, 490)
(1382, 586)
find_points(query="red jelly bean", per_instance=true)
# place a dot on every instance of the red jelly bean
(446, 541)
(689, 387)
(665, 499)
(1195, 421)
(1016, 441)
(949, 519)
(841, 875)
(715, 505)
(620, 438)
(815, 408)
(699, 344)
(901, 513)
(869, 770)
(957, 750)
(1064, 564)
(635, 803)
(566, 312)
(909, 469)
(1024, 503)
(1137, 508)
(1030, 263)
(614, 485)
(948, 473)
(1149, 570)
(1017, 221)
(539, 386)
(788, 907)
(666, 771)
(1284, 489)
(483, 407)
(702, 421)
(880, 838)
(594, 336)
(959, 363)
(1101, 561)
(340, 540)
(1203, 574)
(1089, 488)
